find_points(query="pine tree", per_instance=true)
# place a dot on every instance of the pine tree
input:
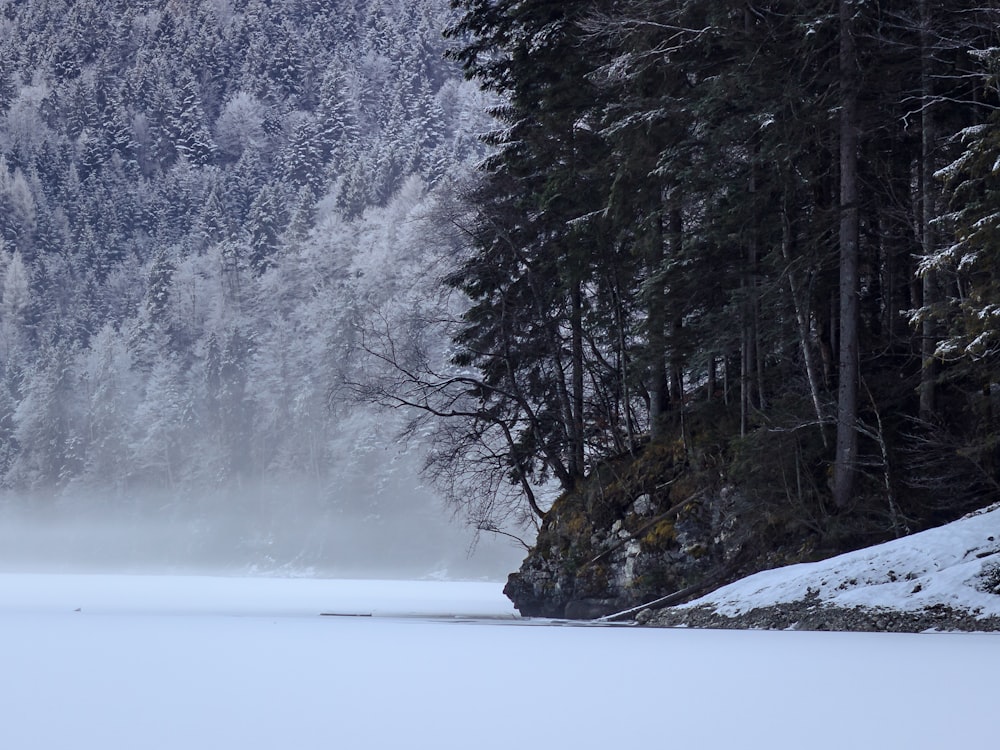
(304, 160)
(973, 187)
(235, 408)
(533, 256)
(188, 129)
(337, 127)
(111, 398)
(14, 307)
(44, 422)
(265, 223)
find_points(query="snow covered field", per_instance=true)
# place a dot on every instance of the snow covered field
(186, 663)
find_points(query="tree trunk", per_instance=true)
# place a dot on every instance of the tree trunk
(928, 340)
(845, 459)
(659, 389)
(801, 319)
(676, 371)
(744, 376)
(576, 437)
(623, 364)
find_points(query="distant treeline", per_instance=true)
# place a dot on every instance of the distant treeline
(198, 202)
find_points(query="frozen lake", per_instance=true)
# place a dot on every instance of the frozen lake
(187, 662)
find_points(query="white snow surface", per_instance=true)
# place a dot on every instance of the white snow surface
(247, 597)
(941, 566)
(150, 663)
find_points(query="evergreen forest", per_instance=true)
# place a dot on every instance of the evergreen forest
(761, 234)
(201, 203)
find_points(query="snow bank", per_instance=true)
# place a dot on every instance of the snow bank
(949, 566)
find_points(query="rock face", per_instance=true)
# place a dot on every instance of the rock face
(639, 528)
(659, 528)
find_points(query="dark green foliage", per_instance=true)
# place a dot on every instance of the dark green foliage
(973, 260)
(660, 230)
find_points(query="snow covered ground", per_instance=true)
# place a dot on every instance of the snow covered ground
(144, 662)
(956, 565)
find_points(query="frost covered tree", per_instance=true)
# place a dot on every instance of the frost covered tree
(265, 222)
(969, 263)
(109, 390)
(47, 421)
(190, 214)
(240, 125)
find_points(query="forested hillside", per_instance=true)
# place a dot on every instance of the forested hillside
(762, 235)
(200, 205)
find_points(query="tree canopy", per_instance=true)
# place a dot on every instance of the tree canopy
(775, 218)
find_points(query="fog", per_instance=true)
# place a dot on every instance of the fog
(177, 332)
(377, 527)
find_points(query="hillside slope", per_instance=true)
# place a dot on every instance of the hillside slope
(946, 578)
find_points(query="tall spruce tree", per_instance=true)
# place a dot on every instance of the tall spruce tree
(532, 257)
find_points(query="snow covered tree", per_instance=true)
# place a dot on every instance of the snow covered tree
(46, 422)
(14, 307)
(972, 310)
(240, 125)
(189, 131)
(17, 209)
(265, 224)
(108, 386)
(161, 448)
(304, 160)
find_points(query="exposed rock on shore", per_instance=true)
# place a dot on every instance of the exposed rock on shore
(640, 527)
(810, 615)
(660, 527)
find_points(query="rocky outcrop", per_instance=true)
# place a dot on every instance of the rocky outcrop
(810, 614)
(645, 533)
(639, 528)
